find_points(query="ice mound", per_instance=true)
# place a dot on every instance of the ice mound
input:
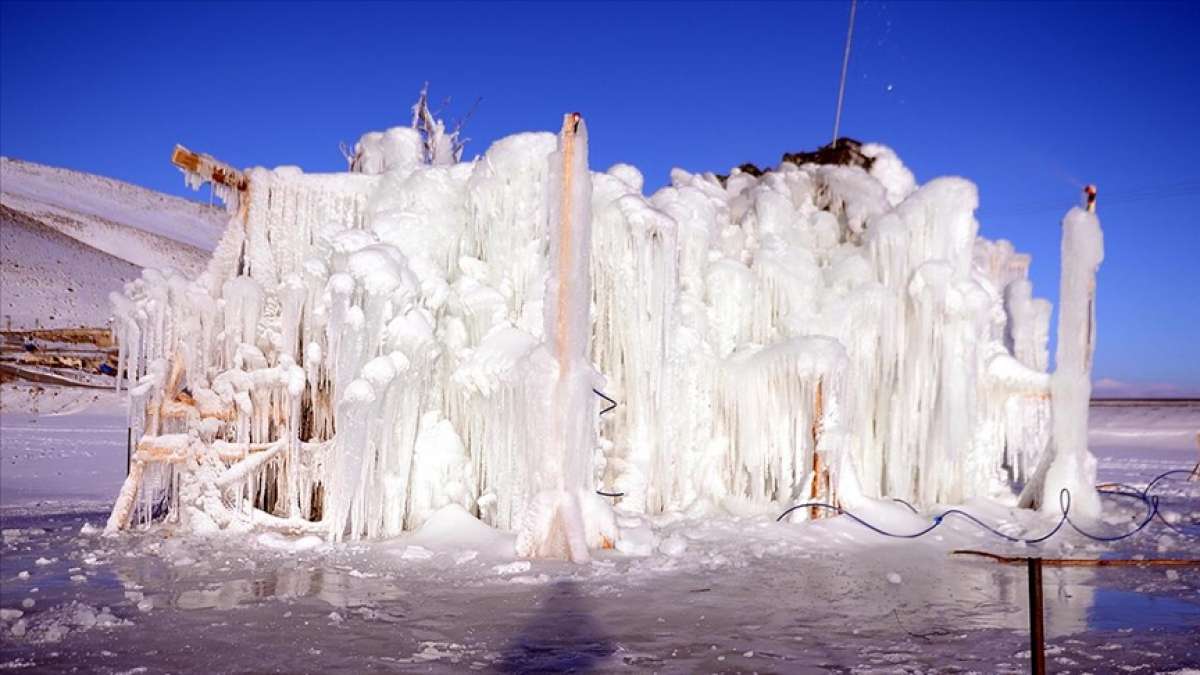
(372, 350)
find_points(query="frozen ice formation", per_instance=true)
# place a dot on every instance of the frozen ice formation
(367, 348)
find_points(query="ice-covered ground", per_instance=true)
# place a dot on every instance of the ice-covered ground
(706, 593)
(63, 448)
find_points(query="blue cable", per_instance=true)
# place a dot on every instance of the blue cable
(939, 519)
(1160, 477)
(1064, 503)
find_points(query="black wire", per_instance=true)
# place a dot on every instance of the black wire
(1064, 498)
(613, 404)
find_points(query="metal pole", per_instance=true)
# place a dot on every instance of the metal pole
(1196, 471)
(1037, 638)
(128, 449)
(837, 118)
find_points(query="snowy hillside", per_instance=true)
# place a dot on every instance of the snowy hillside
(70, 238)
(53, 280)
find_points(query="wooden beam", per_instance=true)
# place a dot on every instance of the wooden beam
(123, 508)
(209, 168)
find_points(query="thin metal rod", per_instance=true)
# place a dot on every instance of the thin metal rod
(837, 119)
(128, 449)
(1037, 638)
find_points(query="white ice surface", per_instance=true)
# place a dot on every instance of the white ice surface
(60, 448)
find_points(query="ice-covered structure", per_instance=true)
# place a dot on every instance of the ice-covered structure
(365, 348)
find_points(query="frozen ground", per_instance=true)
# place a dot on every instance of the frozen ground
(63, 448)
(707, 593)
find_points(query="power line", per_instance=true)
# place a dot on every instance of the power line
(837, 118)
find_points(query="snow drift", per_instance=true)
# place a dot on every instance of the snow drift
(366, 348)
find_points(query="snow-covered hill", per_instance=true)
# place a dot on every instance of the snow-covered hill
(70, 237)
(52, 280)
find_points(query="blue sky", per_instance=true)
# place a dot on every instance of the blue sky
(1028, 100)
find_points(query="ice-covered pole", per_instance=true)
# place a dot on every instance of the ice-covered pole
(568, 319)
(554, 525)
(568, 313)
(820, 490)
(1069, 464)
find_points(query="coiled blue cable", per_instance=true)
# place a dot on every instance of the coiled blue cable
(1064, 503)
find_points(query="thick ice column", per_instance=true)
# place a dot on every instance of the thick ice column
(553, 526)
(1069, 464)
(568, 308)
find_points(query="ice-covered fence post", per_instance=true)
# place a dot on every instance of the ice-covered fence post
(553, 526)
(1069, 464)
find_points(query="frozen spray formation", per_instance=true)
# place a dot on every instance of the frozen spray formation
(1068, 463)
(366, 348)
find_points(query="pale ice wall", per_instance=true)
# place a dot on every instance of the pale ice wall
(392, 341)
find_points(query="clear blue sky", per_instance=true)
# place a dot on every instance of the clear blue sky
(1029, 100)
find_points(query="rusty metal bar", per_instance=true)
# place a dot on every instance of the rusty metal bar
(1037, 636)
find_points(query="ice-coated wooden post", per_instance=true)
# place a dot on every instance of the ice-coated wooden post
(1068, 464)
(821, 490)
(1090, 196)
(571, 294)
(123, 508)
(553, 526)
(565, 269)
